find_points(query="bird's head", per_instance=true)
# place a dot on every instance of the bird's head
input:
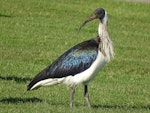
(99, 13)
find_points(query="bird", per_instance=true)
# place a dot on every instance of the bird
(81, 63)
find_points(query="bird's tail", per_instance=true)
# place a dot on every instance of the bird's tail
(31, 86)
(41, 79)
(35, 85)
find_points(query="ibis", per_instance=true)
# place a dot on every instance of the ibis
(81, 63)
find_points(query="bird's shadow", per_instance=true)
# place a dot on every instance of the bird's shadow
(3, 15)
(15, 78)
(147, 107)
(15, 100)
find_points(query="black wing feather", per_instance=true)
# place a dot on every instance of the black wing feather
(74, 61)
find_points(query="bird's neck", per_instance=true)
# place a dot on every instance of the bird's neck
(105, 45)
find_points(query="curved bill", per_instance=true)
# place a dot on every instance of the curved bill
(86, 21)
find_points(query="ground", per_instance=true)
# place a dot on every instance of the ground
(145, 1)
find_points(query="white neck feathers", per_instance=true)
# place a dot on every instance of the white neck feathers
(106, 45)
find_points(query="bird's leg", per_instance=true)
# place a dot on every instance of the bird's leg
(72, 95)
(86, 95)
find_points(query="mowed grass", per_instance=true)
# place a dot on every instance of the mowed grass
(34, 33)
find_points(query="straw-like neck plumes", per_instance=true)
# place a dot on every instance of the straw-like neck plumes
(106, 45)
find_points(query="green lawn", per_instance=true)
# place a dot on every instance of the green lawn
(34, 33)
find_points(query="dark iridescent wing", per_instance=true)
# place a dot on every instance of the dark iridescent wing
(75, 62)
(72, 62)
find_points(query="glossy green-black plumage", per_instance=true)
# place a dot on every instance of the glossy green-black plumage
(74, 61)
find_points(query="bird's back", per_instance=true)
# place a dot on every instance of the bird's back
(74, 61)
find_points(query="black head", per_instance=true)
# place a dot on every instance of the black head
(99, 13)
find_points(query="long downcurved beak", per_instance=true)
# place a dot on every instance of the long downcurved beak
(87, 20)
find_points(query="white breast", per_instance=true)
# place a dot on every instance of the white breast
(83, 77)
(90, 73)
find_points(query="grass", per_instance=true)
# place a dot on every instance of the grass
(33, 34)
